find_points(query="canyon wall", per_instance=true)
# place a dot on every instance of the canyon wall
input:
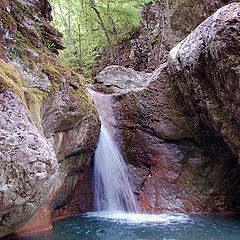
(48, 123)
(163, 25)
(178, 128)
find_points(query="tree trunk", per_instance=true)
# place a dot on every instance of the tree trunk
(93, 6)
(115, 35)
(160, 32)
(67, 29)
(79, 43)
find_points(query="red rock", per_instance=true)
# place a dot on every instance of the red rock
(175, 128)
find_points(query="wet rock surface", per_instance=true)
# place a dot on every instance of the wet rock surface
(180, 132)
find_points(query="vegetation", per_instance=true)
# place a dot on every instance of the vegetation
(93, 26)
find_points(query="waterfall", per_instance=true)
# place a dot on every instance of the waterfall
(113, 196)
(112, 187)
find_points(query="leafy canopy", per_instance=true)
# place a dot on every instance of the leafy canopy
(92, 26)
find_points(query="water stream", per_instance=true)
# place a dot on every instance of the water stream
(112, 190)
(97, 226)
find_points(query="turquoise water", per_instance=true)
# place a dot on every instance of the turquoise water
(94, 226)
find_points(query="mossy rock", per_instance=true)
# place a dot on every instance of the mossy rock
(10, 79)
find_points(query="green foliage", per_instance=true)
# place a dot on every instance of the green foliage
(50, 45)
(21, 7)
(19, 39)
(38, 26)
(84, 34)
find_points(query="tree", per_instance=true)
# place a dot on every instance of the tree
(94, 7)
(92, 26)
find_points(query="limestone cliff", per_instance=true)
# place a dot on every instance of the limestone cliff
(48, 122)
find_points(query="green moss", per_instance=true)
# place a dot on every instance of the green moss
(95, 113)
(7, 20)
(79, 78)
(16, 51)
(23, 9)
(23, 81)
(10, 78)
(54, 73)
(48, 59)
(40, 74)
(50, 45)
(31, 38)
(20, 39)
(89, 80)
(38, 27)
(33, 51)
(34, 98)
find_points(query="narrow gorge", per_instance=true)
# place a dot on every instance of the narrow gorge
(175, 122)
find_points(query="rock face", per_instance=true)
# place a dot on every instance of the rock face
(180, 133)
(48, 123)
(205, 69)
(28, 163)
(164, 24)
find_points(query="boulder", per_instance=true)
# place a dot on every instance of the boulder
(204, 69)
(27, 160)
(119, 79)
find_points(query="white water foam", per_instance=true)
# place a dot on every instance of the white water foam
(135, 218)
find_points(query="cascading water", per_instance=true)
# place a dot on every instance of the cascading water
(112, 187)
(113, 195)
